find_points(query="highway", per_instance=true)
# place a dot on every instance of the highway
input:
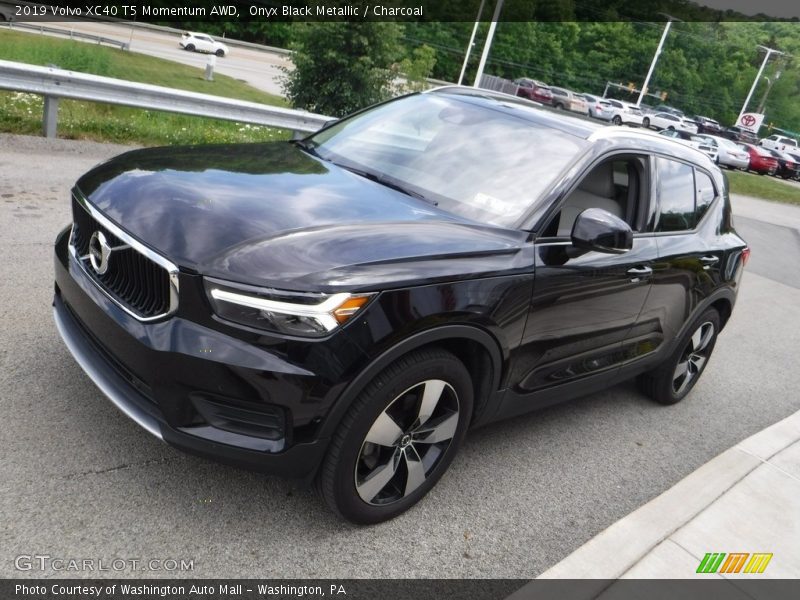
(260, 69)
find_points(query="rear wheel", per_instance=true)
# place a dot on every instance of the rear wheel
(617, 120)
(190, 47)
(670, 382)
(646, 123)
(398, 438)
(220, 52)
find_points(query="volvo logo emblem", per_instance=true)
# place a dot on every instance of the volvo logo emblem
(99, 252)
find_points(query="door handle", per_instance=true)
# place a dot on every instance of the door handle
(709, 260)
(639, 273)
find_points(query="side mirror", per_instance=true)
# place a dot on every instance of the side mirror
(597, 229)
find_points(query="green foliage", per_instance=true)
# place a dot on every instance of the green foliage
(22, 113)
(416, 69)
(705, 68)
(342, 67)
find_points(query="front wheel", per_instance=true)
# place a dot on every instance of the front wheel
(190, 47)
(670, 382)
(398, 438)
(646, 123)
(220, 52)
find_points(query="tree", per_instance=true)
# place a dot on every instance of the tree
(342, 67)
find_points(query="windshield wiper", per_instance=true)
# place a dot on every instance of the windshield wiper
(387, 183)
(308, 146)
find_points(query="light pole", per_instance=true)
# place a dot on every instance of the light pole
(471, 43)
(770, 51)
(655, 58)
(488, 44)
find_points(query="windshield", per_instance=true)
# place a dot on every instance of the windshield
(490, 164)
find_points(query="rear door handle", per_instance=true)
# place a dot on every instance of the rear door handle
(639, 273)
(709, 260)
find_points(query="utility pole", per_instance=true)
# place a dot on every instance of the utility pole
(770, 83)
(471, 43)
(488, 45)
(770, 52)
(670, 19)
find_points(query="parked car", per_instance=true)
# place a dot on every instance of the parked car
(788, 165)
(670, 109)
(647, 109)
(200, 42)
(761, 161)
(567, 100)
(664, 120)
(738, 134)
(534, 90)
(625, 112)
(779, 142)
(343, 308)
(701, 143)
(599, 108)
(707, 125)
(730, 154)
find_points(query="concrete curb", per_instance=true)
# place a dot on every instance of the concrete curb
(614, 551)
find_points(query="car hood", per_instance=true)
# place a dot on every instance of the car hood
(271, 214)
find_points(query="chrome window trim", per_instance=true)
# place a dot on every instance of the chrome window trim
(169, 267)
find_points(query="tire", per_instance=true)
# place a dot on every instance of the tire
(220, 52)
(665, 384)
(617, 120)
(559, 106)
(670, 128)
(646, 123)
(190, 47)
(366, 476)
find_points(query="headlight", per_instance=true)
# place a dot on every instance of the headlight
(294, 313)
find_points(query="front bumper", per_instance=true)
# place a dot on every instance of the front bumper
(143, 374)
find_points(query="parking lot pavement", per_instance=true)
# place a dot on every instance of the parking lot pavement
(79, 480)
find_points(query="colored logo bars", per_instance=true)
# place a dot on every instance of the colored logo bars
(719, 562)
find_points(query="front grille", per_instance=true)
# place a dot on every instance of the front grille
(139, 285)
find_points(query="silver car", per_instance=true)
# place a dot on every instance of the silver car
(730, 154)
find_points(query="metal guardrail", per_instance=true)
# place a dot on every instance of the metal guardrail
(54, 83)
(66, 32)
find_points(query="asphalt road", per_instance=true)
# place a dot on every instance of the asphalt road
(260, 69)
(79, 480)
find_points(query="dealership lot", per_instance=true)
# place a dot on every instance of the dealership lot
(79, 480)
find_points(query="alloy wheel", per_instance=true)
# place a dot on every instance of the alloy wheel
(693, 358)
(406, 442)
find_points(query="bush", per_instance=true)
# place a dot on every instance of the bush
(342, 67)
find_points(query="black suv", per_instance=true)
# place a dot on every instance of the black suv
(343, 308)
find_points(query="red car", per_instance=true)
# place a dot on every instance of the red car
(534, 90)
(761, 161)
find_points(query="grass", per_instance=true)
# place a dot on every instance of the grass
(763, 186)
(22, 113)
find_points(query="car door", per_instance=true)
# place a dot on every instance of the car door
(585, 304)
(689, 268)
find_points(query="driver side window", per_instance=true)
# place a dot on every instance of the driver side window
(618, 185)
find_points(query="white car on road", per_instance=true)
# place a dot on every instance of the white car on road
(200, 42)
(625, 112)
(664, 120)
